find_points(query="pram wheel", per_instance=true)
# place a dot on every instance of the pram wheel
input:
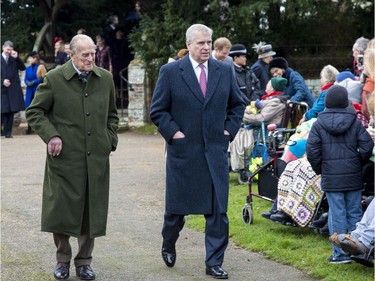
(243, 177)
(247, 214)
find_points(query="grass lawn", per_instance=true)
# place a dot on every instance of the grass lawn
(299, 247)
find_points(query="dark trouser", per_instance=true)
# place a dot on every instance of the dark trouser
(7, 123)
(85, 244)
(216, 234)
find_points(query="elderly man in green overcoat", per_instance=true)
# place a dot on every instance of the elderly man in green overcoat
(74, 113)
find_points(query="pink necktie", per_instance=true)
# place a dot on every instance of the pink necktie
(203, 80)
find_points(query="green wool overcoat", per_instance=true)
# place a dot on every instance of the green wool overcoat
(84, 116)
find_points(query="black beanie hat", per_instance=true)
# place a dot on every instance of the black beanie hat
(279, 62)
(336, 97)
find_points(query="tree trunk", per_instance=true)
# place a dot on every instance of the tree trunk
(50, 10)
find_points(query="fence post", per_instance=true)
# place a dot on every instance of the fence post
(137, 97)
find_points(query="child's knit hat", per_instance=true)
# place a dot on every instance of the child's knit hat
(336, 97)
(279, 83)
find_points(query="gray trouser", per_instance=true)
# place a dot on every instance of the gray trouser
(85, 243)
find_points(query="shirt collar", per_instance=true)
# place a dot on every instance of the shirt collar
(196, 64)
(79, 72)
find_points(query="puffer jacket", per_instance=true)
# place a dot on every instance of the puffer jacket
(337, 147)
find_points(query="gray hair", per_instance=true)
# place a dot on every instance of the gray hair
(8, 44)
(77, 41)
(197, 28)
(361, 44)
(329, 73)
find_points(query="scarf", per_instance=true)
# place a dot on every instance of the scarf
(275, 93)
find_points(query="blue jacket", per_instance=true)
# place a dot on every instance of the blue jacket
(33, 81)
(297, 89)
(318, 105)
(337, 147)
(261, 71)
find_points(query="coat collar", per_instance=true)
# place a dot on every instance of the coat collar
(190, 78)
(69, 71)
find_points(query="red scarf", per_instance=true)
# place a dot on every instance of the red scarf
(325, 87)
(272, 94)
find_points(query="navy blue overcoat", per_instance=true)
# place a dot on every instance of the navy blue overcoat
(197, 165)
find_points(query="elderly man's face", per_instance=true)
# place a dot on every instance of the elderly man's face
(200, 47)
(84, 57)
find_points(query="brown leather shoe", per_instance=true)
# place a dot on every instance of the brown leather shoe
(61, 271)
(85, 272)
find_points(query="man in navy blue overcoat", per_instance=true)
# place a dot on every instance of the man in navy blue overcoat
(197, 124)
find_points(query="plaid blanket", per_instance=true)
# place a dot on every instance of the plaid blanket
(299, 191)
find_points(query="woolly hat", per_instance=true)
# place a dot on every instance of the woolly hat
(238, 50)
(279, 62)
(336, 97)
(344, 75)
(279, 83)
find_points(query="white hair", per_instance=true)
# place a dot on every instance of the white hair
(197, 28)
(77, 41)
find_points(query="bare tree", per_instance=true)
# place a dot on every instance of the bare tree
(50, 10)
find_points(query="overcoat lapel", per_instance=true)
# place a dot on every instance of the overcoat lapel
(69, 71)
(213, 79)
(188, 75)
(191, 80)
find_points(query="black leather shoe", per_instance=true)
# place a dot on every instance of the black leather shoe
(281, 217)
(61, 271)
(169, 257)
(268, 214)
(319, 223)
(85, 272)
(216, 272)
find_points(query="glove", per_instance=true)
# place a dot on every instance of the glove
(258, 104)
(29, 83)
